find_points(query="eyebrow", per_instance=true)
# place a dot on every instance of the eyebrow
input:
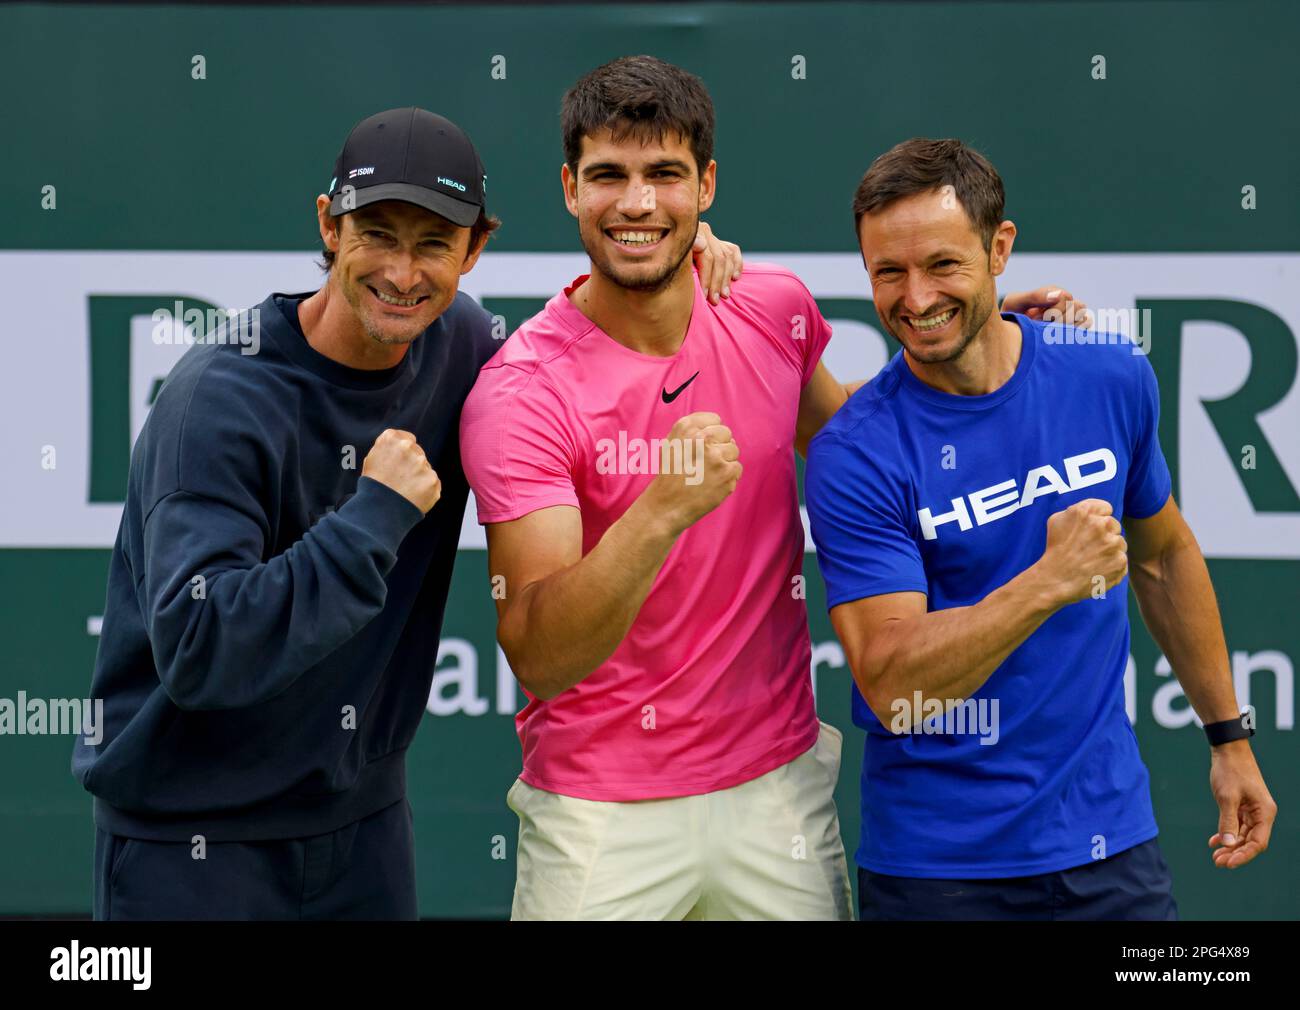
(442, 228)
(606, 166)
(942, 254)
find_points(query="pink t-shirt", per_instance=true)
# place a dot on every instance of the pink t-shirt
(711, 686)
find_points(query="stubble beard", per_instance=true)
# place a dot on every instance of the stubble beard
(354, 295)
(632, 282)
(974, 316)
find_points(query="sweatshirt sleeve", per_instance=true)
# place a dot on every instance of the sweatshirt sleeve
(230, 630)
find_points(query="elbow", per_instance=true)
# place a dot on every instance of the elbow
(528, 679)
(185, 692)
(536, 684)
(178, 675)
(181, 657)
(869, 674)
(534, 670)
(192, 683)
(540, 690)
(530, 674)
(198, 688)
(883, 707)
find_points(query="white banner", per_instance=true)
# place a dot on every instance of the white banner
(46, 402)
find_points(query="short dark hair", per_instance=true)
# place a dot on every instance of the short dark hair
(486, 224)
(920, 166)
(642, 96)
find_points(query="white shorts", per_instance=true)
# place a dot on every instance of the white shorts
(766, 849)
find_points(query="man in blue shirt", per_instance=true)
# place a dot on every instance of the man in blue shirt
(966, 505)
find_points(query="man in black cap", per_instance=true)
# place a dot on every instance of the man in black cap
(272, 615)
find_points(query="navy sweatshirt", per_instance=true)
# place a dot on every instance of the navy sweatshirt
(272, 617)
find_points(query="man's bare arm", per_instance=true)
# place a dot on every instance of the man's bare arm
(563, 613)
(1176, 598)
(822, 396)
(895, 647)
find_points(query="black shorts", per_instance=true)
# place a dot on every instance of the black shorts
(1133, 884)
(365, 870)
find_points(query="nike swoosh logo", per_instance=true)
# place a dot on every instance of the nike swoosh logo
(670, 397)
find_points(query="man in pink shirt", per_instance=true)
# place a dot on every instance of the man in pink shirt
(674, 764)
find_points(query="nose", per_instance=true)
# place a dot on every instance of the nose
(919, 293)
(637, 198)
(401, 271)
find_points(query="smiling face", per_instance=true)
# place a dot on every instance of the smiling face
(397, 265)
(932, 280)
(638, 206)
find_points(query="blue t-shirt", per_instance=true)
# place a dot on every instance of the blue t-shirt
(913, 489)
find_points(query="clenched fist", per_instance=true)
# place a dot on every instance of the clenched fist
(1083, 542)
(699, 466)
(397, 461)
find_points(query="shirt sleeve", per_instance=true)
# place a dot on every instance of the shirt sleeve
(1149, 484)
(228, 629)
(819, 335)
(515, 446)
(858, 515)
(780, 304)
(806, 323)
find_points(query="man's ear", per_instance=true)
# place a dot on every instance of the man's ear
(708, 185)
(570, 185)
(330, 226)
(1000, 248)
(474, 254)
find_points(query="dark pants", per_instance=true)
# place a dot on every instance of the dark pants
(365, 870)
(1133, 884)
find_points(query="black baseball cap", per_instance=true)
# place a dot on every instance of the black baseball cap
(414, 155)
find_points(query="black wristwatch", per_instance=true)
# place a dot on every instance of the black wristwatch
(1241, 728)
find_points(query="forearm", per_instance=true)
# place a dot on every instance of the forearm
(949, 654)
(1177, 602)
(557, 630)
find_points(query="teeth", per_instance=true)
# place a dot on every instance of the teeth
(636, 237)
(390, 300)
(933, 322)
